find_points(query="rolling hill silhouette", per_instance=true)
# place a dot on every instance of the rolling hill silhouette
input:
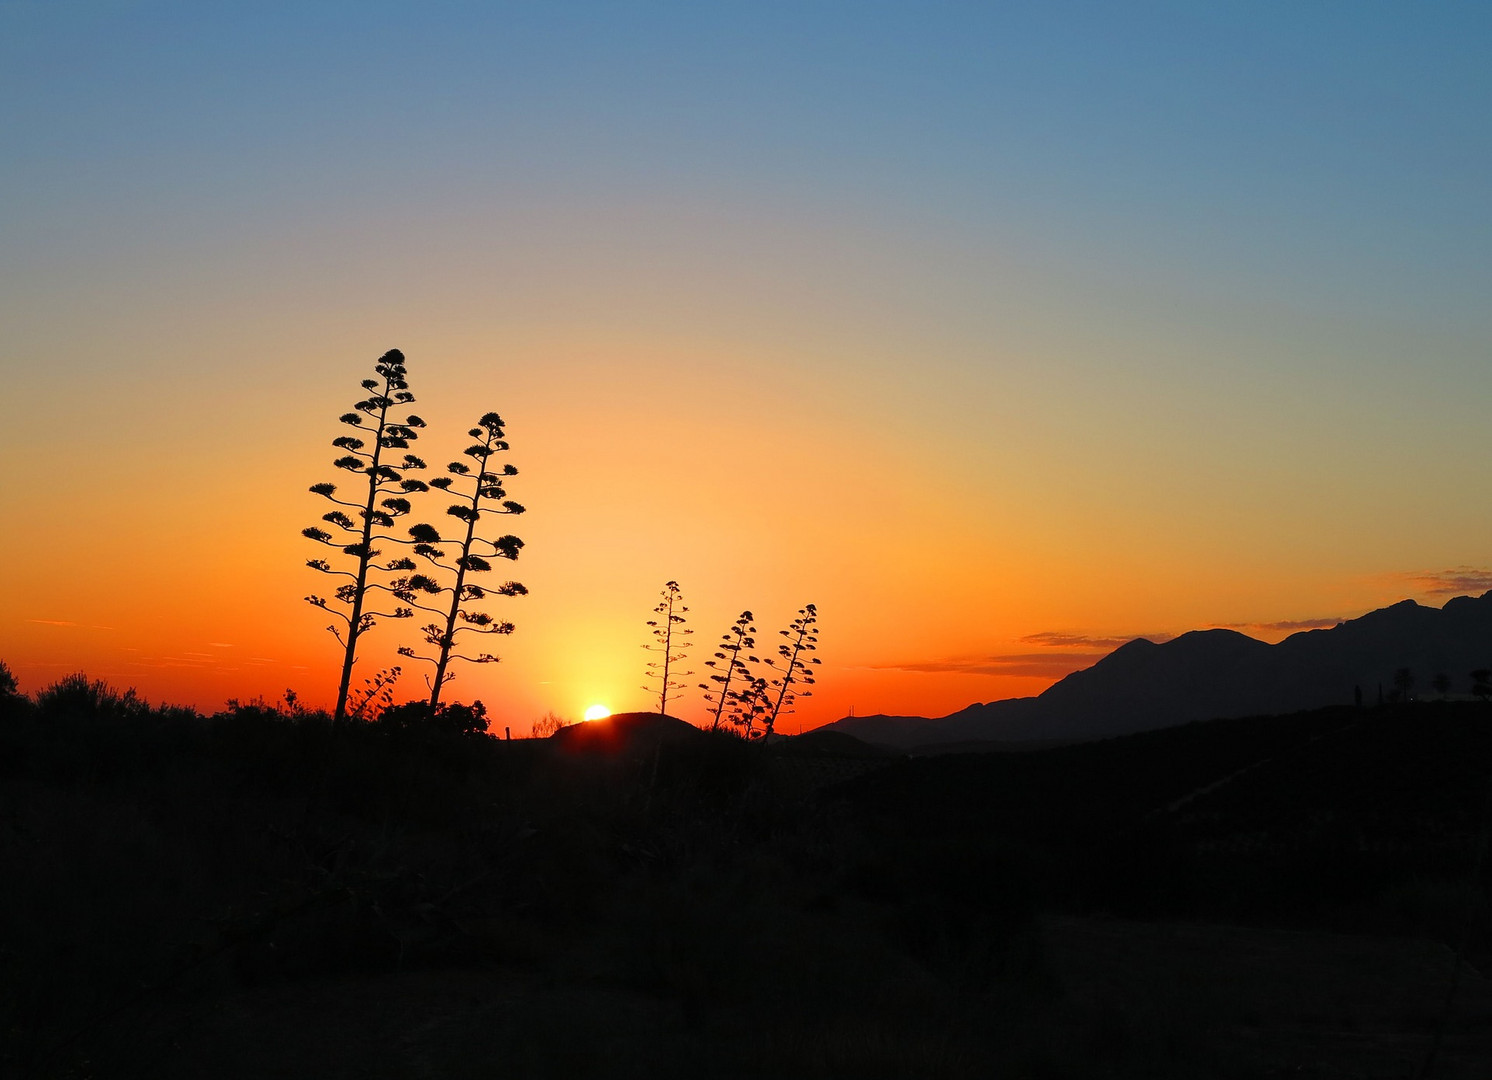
(1213, 674)
(624, 732)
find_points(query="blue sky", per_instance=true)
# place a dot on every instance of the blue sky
(1165, 304)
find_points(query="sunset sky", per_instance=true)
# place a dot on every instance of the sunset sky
(1001, 332)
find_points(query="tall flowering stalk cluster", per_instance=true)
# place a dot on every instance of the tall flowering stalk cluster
(380, 496)
(743, 690)
(444, 589)
(363, 521)
(751, 702)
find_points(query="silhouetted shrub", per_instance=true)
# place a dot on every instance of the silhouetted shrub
(76, 696)
(453, 719)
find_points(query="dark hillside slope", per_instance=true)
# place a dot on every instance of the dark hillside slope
(1211, 674)
(1352, 819)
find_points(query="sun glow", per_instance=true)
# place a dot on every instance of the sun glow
(597, 712)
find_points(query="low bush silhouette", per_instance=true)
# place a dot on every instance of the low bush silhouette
(449, 719)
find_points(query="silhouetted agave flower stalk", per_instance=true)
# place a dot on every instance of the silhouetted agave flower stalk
(381, 497)
(730, 668)
(376, 695)
(429, 591)
(793, 666)
(752, 706)
(668, 642)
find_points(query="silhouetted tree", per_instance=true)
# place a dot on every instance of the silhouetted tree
(1403, 683)
(729, 668)
(471, 556)
(1481, 683)
(669, 643)
(793, 666)
(382, 496)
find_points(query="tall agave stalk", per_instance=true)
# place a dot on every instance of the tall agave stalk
(445, 590)
(730, 668)
(669, 642)
(793, 667)
(382, 496)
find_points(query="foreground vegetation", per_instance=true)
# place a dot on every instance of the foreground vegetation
(261, 892)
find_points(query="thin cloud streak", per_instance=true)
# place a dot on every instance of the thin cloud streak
(1056, 639)
(1460, 581)
(1285, 625)
(1068, 652)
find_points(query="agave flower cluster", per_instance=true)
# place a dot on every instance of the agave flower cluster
(752, 702)
(364, 524)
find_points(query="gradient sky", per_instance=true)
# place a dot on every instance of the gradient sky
(1001, 332)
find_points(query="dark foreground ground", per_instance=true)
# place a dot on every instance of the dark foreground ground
(255, 895)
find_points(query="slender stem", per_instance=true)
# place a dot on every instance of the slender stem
(354, 629)
(667, 656)
(730, 670)
(787, 679)
(448, 639)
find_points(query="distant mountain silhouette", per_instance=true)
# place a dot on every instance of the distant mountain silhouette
(1212, 674)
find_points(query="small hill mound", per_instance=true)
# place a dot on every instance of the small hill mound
(822, 743)
(624, 732)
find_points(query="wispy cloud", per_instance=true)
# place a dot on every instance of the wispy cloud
(68, 623)
(1460, 581)
(1285, 625)
(1056, 639)
(1061, 653)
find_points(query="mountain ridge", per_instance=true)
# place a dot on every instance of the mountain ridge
(1217, 673)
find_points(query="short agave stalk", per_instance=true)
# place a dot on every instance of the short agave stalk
(445, 591)
(730, 669)
(670, 639)
(376, 695)
(751, 706)
(793, 666)
(382, 497)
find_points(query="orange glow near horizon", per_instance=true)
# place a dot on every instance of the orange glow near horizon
(870, 321)
(935, 589)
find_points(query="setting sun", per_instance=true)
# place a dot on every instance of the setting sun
(597, 712)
